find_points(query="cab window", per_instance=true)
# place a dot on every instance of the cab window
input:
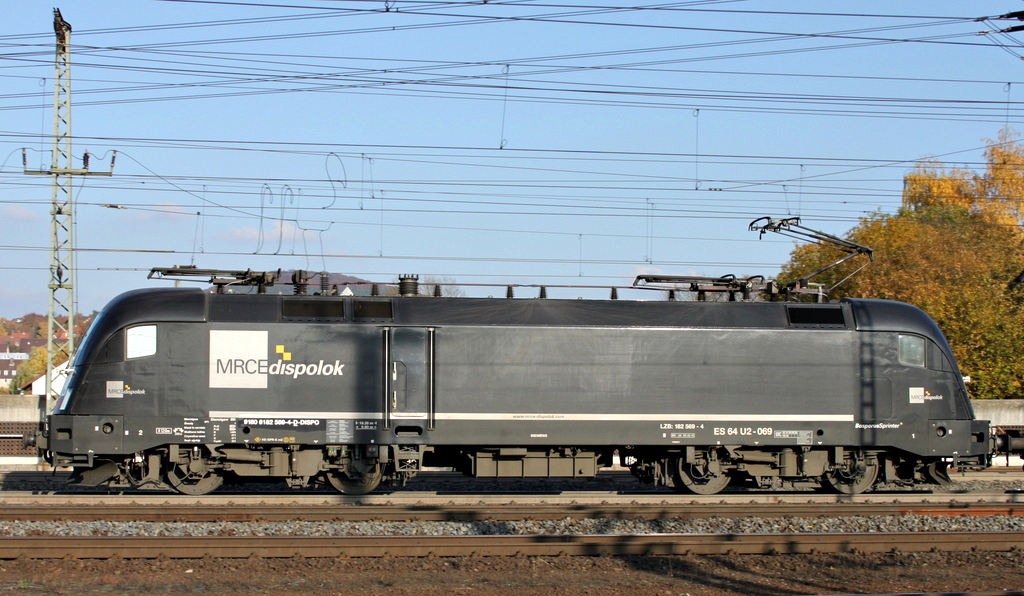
(912, 350)
(140, 341)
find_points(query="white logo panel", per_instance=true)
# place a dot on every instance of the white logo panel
(238, 359)
(115, 389)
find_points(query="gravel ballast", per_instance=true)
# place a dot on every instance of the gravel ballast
(782, 525)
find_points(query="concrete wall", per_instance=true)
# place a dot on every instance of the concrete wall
(1000, 412)
(21, 408)
(19, 414)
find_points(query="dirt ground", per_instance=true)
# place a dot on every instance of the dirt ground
(788, 575)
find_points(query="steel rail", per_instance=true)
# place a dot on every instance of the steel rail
(547, 545)
(170, 512)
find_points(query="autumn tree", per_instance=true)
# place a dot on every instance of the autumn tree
(30, 369)
(34, 367)
(32, 324)
(953, 249)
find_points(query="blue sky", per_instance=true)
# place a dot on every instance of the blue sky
(503, 142)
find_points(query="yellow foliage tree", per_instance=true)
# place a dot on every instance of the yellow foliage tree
(994, 196)
(952, 249)
(33, 368)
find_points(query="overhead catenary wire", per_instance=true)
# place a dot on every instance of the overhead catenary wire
(526, 190)
(121, 51)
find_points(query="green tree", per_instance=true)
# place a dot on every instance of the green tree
(952, 249)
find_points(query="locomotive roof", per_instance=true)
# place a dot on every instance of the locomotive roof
(193, 304)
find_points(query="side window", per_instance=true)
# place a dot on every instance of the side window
(140, 341)
(112, 351)
(912, 350)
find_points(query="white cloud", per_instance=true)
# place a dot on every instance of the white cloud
(644, 270)
(271, 235)
(240, 234)
(17, 213)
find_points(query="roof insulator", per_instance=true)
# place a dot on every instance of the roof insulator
(409, 285)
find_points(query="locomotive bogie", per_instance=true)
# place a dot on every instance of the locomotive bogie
(199, 469)
(850, 470)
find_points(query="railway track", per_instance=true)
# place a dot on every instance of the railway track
(56, 509)
(421, 506)
(617, 477)
(546, 545)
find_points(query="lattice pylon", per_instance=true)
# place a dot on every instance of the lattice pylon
(60, 342)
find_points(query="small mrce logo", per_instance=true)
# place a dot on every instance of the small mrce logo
(239, 360)
(918, 395)
(117, 390)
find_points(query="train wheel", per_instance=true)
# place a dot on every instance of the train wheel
(851, 479)
(194, 483)
(356, 486)
(697, 478)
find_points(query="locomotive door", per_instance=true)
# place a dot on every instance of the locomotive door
(408, 375)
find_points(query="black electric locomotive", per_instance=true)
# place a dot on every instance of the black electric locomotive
(181, 388)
